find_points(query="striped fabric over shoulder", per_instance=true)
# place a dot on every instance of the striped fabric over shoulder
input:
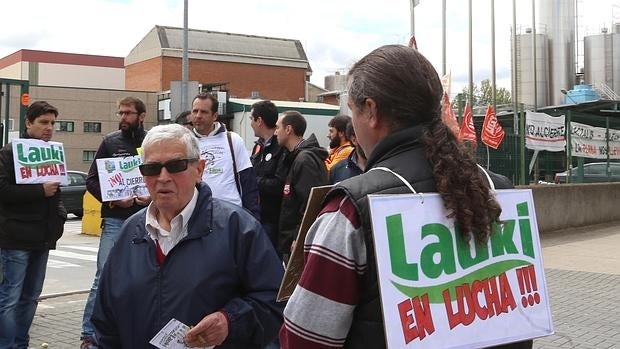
(320, 311)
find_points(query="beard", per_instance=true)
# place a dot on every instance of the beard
(334, 142)
(128, 127)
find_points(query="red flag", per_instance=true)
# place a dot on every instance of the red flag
(468, 132)
(447, 115)
(492, 132)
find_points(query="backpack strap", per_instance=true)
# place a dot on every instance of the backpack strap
(236, 173)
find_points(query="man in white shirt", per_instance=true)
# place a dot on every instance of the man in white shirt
(228, 170)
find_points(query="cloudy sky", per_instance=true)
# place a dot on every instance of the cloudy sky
(334, 33)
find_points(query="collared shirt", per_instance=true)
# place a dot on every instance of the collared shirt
(178, 225)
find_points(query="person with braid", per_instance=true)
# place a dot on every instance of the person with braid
(395, 101)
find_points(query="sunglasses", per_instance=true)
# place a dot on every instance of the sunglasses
(172, 166)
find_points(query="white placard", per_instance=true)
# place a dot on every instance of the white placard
(172, 336)
(120, 178)
(440, 292)
(590, 142)
(544, 132)
(38, 161)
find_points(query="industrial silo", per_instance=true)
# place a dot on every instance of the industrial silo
(525, 68)
(336, 82)
(602, 60)
(558, 17)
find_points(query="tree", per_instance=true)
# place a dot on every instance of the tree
(483, 96)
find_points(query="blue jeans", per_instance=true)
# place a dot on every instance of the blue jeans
(22, 278)
(109, 235)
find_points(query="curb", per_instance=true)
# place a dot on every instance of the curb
(62, 294)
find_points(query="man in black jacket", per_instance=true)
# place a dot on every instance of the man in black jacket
(126, 141)
(306, 164)
(267, 160)
(32, 218)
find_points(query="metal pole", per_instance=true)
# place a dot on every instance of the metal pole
(515, 85)
(471, 64)
(534, 54)
(607, 169)
(443, 38)
(185, 62)
(412, 3)
(493, 77)
(7, 101)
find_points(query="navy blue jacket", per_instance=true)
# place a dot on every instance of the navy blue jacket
(344, 169)
(226, 262)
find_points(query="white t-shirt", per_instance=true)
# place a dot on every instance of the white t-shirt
(219, 172)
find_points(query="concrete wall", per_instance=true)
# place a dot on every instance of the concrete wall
(574, 205)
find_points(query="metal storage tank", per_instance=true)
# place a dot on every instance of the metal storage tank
(525, 69)
(558, 16)
(602, 59)
(336, 82)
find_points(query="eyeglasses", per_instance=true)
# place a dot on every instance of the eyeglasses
(172, 166)
(123, 113)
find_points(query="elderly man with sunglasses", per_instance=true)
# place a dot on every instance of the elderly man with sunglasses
(202, 261)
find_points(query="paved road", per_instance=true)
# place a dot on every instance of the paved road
(583, 276)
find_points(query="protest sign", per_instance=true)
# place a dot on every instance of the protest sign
(591, 142)
(544, 132)
(438, 291)
(296, 262)
(38, 161)
(120, 178)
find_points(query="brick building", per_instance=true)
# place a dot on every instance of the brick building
(250, 65)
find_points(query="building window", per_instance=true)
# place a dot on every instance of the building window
(88, 155)
(64, 126)
(11, 125)
(94, 127)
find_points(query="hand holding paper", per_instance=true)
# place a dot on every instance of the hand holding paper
(211, 330)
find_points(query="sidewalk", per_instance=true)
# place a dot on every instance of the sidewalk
(583, 275)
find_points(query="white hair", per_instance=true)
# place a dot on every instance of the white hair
(171, 132)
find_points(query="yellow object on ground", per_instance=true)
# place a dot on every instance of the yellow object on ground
(91, 221)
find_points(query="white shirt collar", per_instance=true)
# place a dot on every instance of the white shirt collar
(178, 225)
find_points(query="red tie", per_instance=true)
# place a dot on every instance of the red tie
(159, 254)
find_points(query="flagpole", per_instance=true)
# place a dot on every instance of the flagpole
(471, 64)
(534, 54)
(443, 37)
(493, 74)
(515, 85)
(413, 3)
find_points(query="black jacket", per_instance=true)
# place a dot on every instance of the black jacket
(28, 219)
(115, 144)
(307, 169)
(268, 162)
(404, 154)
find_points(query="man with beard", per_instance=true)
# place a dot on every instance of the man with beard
(306, 163)
(126, 141)
(339, 145)
(353, 165)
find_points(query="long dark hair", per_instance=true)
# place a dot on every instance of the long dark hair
(407, 91)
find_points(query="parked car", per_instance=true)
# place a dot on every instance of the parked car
(72, 195)
(594, 172)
